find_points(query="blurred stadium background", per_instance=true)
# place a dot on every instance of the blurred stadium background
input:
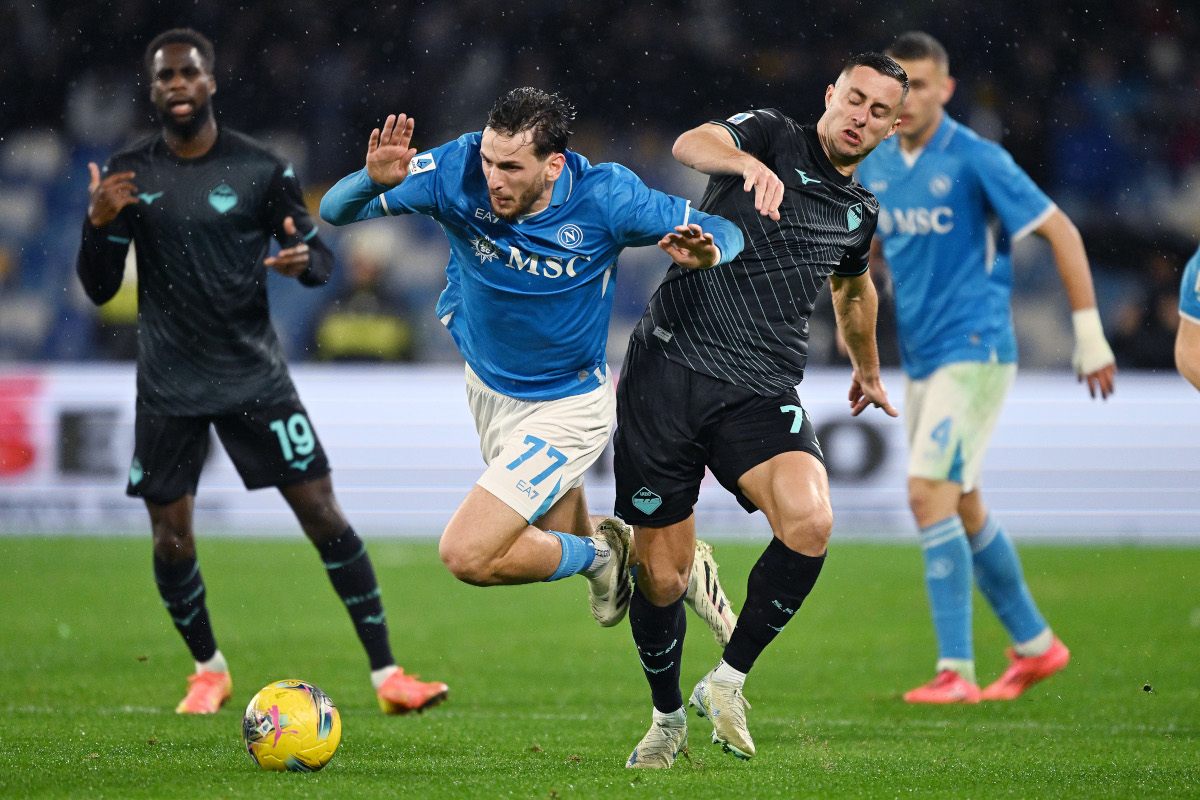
(1098, 101)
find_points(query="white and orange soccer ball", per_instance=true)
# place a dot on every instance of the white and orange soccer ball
(291, 725)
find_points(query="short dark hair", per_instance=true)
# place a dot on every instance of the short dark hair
(181, 36)
(884, 65)
(547, 115)
(918, 45)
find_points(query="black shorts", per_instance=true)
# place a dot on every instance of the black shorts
(672, 422)
(271, 446)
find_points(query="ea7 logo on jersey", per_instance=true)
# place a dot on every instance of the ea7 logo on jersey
(421, 163)
(854, 217)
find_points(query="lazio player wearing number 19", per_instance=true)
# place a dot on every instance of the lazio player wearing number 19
(951, 204)
(200, 207)
(534, 233)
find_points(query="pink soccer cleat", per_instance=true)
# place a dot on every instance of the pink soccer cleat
(1025, 671)
(402, 693)
(207, 692)
(947, 687)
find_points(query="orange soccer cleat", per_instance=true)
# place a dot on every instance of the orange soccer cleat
(207, 692)
(1025, 671)
(402, 693)
(947, 687)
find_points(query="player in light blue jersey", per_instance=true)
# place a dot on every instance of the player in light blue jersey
(1187, 339)
(534, 232)
(951, 205)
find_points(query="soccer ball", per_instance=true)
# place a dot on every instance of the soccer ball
(291, 725)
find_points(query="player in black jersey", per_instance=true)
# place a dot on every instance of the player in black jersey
(710, 380)
(200, 206)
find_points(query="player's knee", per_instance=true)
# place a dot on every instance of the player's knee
(464, 564)
(172, 542)
(662, 586)
(807, 529)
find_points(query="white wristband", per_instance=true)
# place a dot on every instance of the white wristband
(1092, 352)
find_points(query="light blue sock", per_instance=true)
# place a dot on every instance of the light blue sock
(578, 554)
(948, 580)
(998, 572)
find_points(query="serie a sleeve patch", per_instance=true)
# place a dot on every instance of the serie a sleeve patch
(424, 162)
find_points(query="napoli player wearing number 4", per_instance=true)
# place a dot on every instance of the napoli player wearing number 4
(534, 232)
(200, 206)
(940, 186)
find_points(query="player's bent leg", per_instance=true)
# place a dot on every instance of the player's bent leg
(487, 543)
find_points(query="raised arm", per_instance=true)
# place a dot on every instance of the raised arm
(355, 197)
(711, 149)
(1093, 359)
(855, 306)
(105, 242)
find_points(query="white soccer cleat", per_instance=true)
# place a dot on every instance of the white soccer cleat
(658, 748)
(608, 592)
(706, 597)
(725, 706)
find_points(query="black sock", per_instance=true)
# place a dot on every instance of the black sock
(353, 578)
(182, 590)
(778, 584)
(658, 634)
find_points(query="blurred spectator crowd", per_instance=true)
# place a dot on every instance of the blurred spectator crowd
(1098, 101)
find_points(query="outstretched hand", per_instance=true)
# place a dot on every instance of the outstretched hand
(388, 151)
(689, 246)
(107, 197)
(869, 393)
(290, 261)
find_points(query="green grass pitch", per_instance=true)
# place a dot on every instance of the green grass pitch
(545, 704)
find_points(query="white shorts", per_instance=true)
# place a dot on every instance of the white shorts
(950, 417)
(537, 450)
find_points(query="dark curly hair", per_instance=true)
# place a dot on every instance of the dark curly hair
(548, 115)
(181, 36)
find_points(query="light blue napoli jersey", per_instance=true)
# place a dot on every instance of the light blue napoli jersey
(528, 302)
(1189, 290)
(947, 223)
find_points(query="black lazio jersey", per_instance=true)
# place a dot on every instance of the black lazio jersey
(747, 322)
(201, 229)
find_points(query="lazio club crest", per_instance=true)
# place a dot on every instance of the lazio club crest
(646, 501)
(854, 217)
(223, 198)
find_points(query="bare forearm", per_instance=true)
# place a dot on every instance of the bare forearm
(856, 312)
(1070, 258)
